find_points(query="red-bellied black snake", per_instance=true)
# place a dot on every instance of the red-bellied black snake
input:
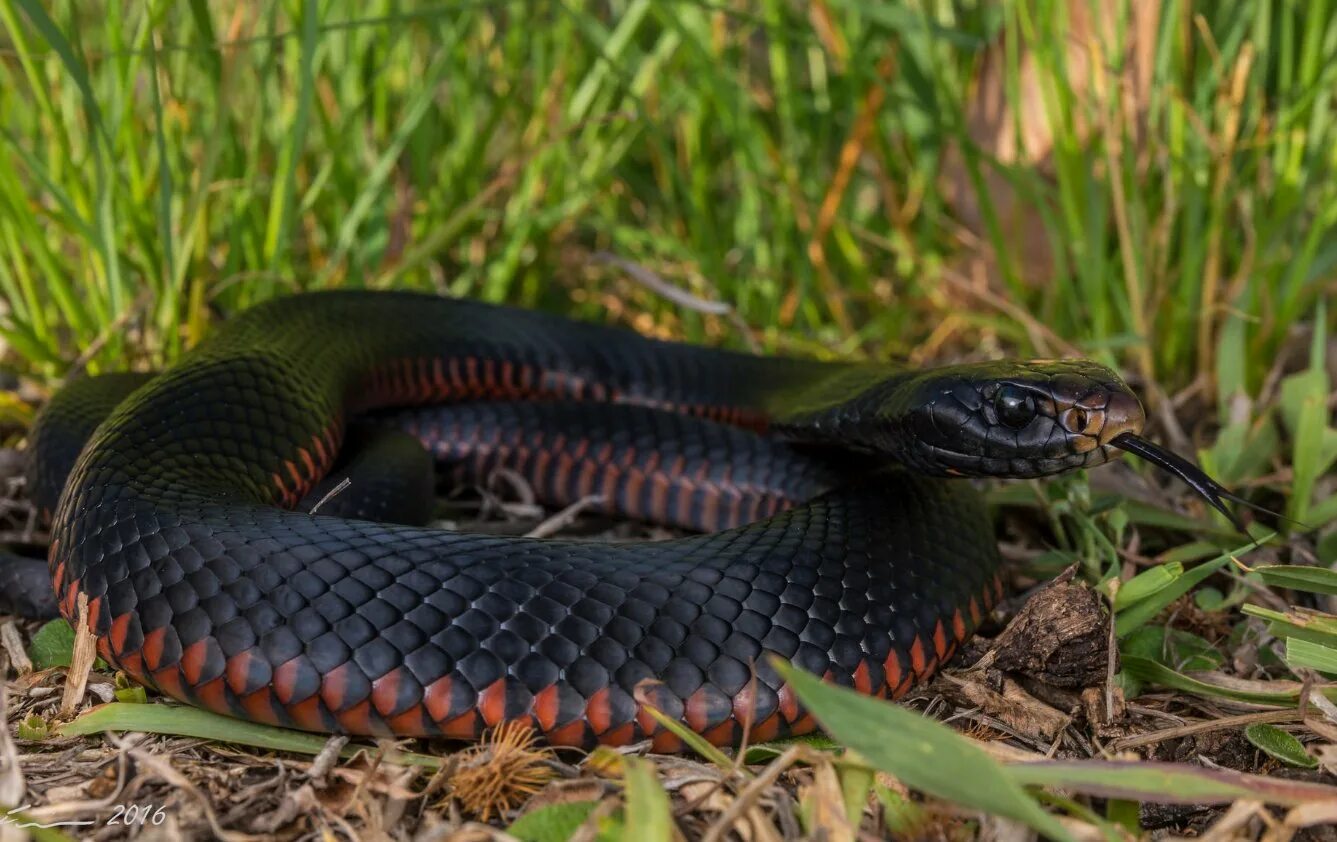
(837, 544)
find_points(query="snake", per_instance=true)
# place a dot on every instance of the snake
(822, 511)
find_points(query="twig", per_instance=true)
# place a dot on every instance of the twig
(1208, 725)
(1236, 819)
(163, 768)
(9, 638)
(12, 784)
(81, 662)
(561, 520)
(678, 295)
(750, 793)
(850, 153)
(518, 484)
(68, 812)
(1111, 661)
(332, 493)
(328, 757)
(136, 307)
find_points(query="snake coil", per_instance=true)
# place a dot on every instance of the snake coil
(837, 546)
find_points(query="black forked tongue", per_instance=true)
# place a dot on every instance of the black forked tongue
(1209, 489)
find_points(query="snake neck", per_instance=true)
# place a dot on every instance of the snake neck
(856, 406)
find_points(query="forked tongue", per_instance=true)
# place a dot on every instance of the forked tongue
(1209, 489)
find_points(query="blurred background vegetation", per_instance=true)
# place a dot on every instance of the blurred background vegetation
(1150, 182)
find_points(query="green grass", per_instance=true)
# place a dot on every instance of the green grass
(176, 156)
(168, 163)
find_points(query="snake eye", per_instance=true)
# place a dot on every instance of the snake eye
(1015, 407)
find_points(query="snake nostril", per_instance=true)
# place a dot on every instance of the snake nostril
(1123, 415)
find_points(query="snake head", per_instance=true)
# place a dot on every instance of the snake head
(1016, 419)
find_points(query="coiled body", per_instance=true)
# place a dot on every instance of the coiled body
(178, 526)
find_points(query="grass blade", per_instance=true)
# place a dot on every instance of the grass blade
(380, 171)
(1298, 578)
(285, 184)
(923, 754)
(1309, 654)
(1145, 669)
(165, 185)
(648, 814)
(194, 722)
(691, 739)
(1167, 783)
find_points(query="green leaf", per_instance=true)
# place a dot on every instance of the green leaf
(33, 727)
(1313, 380)
(1327, 547)
(1192, 551)
(648, 816)
(1323, 512)
(186, 721)
(1304, 407)
(1126, 813)
(1244, 449)
(1298, 578)
(553, 822)
(1173, 647)
(52, 645)
(1210, 599)
(1131, 687)
(1145, 514)
(1313, 453)
(923, 754)
(131, 695)
(1280, 745)
(1231, 364)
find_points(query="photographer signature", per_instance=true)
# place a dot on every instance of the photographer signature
(9, 817)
